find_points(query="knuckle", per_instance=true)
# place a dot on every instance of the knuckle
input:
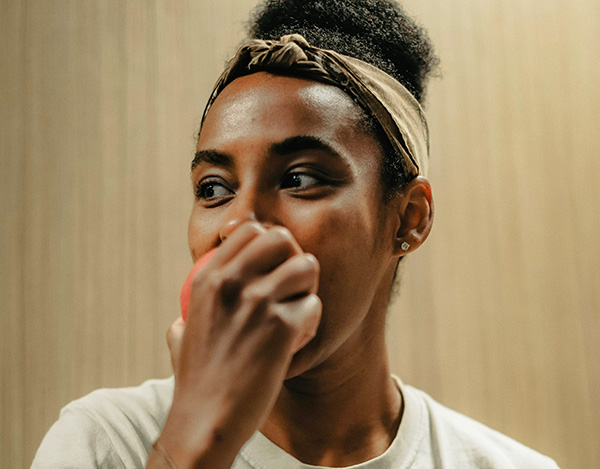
(255, 297)
(223, 288)
(315, 304)
(313, 308)
(282, 235)
(278, 323)
(310, 263)
(225, 283)
(230, 283)
(252, 228)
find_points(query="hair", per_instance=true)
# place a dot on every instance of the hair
(378, 32)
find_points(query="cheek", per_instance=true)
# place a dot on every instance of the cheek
(203, 233)
(344, 238)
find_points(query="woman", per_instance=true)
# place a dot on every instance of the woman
(309, 178)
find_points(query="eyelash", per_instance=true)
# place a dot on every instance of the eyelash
(202, 186)
(320, 180)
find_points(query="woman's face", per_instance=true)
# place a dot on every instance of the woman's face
(292, 152)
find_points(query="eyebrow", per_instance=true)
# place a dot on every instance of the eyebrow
(300, 143)
(286, 147)
(212, 157)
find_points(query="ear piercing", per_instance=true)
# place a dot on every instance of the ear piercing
(405, 246)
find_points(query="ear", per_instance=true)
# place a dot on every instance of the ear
(414, 205)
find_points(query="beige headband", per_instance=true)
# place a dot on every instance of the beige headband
(394, 107)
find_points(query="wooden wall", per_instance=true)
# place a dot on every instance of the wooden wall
(499, 313)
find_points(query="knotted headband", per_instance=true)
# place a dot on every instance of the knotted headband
(391, 104)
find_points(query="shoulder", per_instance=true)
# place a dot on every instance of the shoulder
(147, 404)
(108, 427)
(456, 438)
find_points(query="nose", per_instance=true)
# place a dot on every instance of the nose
(243, 210)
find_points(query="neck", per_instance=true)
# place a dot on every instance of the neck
(343, 412)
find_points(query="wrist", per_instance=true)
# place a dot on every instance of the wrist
(160, 458)
(183, 445)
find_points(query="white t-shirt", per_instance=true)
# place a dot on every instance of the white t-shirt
(115, 428)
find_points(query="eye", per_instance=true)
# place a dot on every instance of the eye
(300, 180)
(212, 190)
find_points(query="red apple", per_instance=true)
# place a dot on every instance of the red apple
(186, 290)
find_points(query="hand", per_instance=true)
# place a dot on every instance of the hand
(252, 307)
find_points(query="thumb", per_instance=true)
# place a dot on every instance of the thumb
(306, 314)
(174, 341)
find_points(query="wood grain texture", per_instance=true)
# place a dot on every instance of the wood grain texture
(499, 313)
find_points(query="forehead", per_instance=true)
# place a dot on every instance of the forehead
(263, 106)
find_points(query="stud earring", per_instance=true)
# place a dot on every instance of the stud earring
(405, 246)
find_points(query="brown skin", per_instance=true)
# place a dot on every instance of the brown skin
(245, 360)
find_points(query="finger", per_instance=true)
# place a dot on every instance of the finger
(237, 241)
(296, 277)
(174, 341)
(304, 316)
(264, 253)
(227, 279)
